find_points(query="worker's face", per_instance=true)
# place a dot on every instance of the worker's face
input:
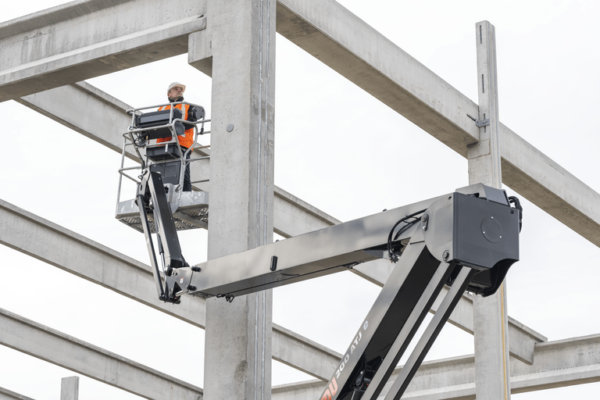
(175, 92)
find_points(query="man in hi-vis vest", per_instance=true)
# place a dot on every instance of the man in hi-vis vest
(175, 94)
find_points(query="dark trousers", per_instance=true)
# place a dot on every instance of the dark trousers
(187, 180)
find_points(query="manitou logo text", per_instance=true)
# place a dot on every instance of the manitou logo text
(331, 391)
(333, 385)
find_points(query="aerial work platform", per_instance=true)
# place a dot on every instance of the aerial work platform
(189, 209)
(466, 240)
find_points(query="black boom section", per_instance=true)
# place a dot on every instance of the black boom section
(152, 189)
(389, 315)
(166, 226)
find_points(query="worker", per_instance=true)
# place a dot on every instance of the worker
(175, 94)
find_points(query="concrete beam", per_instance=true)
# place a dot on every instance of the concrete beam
(78, 255)
(237, 349)
(341, 40)
(292, 216)
(560, 363)
(304, 354)
(64, 249)
(69, 388)
(329, 32)
(6, 394)
(68, 352)
(491, 319)
(85, 39)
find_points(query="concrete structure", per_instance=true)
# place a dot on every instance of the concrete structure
(69, 389)
(6, 394)
(238, 335)
(48, 55)
(490, 316)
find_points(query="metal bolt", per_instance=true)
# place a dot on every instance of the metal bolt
(446, 255)
(230, 127)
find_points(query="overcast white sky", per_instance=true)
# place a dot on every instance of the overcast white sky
(338, 149)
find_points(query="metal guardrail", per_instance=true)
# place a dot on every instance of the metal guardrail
(129, 140)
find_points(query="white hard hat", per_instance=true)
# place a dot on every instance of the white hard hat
(172, 85)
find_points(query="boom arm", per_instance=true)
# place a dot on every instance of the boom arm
(467, 240)
(474, 226)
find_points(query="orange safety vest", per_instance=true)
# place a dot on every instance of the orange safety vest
(186, 140)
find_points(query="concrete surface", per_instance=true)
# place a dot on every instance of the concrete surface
(342, 41)
(73, 42)
(492, 367)
(238, 335)
(23, 231)
(560, 363)
(68, 352)
(69, 388)
(6, 394)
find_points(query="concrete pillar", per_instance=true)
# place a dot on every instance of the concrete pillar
(238, 334)
(492, 374)
(69, 388)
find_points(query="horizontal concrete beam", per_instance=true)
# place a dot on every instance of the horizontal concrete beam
(85, 39)
(303, 354)
(341, 40)
(78, 255)
(68, 352)
(73, 253)
(561, 363)
(6, 394)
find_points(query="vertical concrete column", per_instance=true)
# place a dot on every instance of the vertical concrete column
(238, 334)
(69, 388)
(492, 374)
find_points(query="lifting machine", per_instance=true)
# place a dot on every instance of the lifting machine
(466, 240)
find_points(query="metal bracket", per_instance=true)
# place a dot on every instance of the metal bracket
(482, 123)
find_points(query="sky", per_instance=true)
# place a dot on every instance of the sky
(340, 150)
